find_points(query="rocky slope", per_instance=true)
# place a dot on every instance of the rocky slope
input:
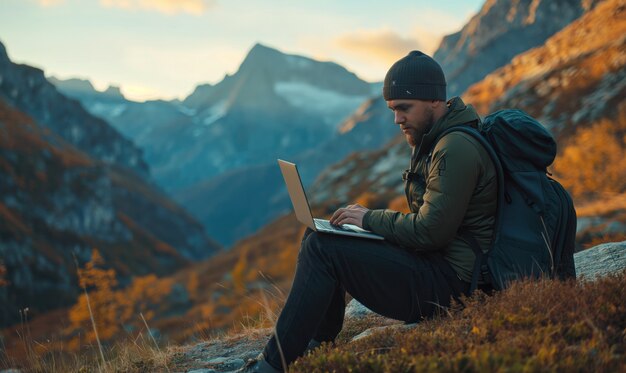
(501, 30)
(25, 88)
(57, 203)
(577, 77)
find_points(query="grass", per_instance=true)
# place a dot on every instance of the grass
(544, 326)
(540, 326)
(131, 355)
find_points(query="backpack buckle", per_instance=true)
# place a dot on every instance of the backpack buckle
(408, 175)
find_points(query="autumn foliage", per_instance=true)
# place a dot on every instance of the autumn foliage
(593, 162)
(113, 310)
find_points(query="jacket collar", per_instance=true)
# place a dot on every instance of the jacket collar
(456, 114)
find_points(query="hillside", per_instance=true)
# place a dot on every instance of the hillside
(58, 203)
(500, 31)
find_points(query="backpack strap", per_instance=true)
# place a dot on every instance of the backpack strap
(480, 263)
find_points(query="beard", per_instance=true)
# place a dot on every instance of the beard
(415, 135)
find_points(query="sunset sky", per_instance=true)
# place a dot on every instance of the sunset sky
(164, 48)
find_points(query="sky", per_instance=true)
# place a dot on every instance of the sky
(165, 48)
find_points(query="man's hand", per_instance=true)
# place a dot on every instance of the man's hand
(353, 214)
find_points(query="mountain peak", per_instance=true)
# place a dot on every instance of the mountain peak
(114, 92)
(73, 84)
(260, 52)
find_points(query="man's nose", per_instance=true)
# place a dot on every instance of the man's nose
(399, 118)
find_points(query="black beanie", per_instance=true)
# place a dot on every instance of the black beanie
(416, 76)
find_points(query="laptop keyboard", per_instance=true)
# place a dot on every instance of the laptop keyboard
(323, 224)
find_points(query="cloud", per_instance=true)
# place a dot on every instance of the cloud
(385, 45)
(195, 7)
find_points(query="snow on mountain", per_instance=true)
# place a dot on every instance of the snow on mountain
(332, 105)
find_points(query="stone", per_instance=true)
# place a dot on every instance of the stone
(600, 260)
(354, 309)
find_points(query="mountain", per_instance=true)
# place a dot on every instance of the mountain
(80, 89)
(274, 105)
(268, 79)
(501, 30)
(58, 201)
(25, 88)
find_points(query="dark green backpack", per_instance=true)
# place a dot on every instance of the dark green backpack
(535, 223)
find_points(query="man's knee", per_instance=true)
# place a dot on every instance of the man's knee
(312, 243)
(306, 234)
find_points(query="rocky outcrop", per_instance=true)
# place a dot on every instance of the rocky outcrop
(501, 30)
(26, 89)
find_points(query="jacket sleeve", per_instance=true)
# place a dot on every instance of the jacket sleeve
(451, 181)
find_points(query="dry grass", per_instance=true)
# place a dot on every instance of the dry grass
(132, 355)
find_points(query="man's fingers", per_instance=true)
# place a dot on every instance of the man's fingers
(347, 217)
(337, 215)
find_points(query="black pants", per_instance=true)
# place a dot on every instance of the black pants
(382, 276)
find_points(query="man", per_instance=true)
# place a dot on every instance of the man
(423, 262)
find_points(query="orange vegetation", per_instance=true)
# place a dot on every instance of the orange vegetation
(593, 162)
(112, 309)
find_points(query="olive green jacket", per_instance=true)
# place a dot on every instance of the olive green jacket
(455, 188)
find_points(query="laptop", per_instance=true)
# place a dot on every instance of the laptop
(303, 210)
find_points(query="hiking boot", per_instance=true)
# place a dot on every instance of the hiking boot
(258, 365)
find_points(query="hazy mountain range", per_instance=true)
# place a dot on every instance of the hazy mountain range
(206, 149)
